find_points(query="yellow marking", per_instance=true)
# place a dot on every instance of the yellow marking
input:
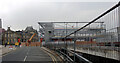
(53, 58)
(50, 56)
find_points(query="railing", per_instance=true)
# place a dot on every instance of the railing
(102, 34)
(107, 35)
(68, 59)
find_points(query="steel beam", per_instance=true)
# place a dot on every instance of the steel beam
(69, 22)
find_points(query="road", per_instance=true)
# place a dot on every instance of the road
(29, 54)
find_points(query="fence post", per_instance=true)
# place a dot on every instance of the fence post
(74, 45)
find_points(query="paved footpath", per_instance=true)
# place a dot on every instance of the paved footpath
(31, 55)
(5, 50)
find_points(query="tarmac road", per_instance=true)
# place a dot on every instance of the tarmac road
(29, 54)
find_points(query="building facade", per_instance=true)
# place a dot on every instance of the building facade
(24, 35)
(1, 32)
(27, 34)
(10, 36)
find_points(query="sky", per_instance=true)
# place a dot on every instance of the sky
(18, 14)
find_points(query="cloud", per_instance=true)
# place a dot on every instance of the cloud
(22, 14)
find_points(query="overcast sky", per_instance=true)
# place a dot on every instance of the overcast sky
(22, 13)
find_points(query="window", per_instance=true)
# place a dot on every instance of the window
(5, 35)
(11, 35)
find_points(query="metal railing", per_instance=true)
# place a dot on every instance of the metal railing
(68, 59)
(111, 19)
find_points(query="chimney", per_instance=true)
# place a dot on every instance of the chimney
(8, 28)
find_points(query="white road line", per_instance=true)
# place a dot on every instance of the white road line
(25, 58)
(26, 55)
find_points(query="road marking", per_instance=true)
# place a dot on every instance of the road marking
(25, 58)
(48, 54)
(26, 55)
(56, 57)
(53, 58)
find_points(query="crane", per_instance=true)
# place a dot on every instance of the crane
(31, 37)
(29, 40)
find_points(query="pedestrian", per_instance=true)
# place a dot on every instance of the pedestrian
(5, 44)
(20, 44)
(16, 44)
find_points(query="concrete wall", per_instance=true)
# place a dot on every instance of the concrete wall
(48, 31)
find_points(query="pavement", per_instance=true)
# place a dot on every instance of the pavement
(5, 50)
(30, 55)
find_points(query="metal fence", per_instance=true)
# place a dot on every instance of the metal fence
(105, 35)
(106, 32)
